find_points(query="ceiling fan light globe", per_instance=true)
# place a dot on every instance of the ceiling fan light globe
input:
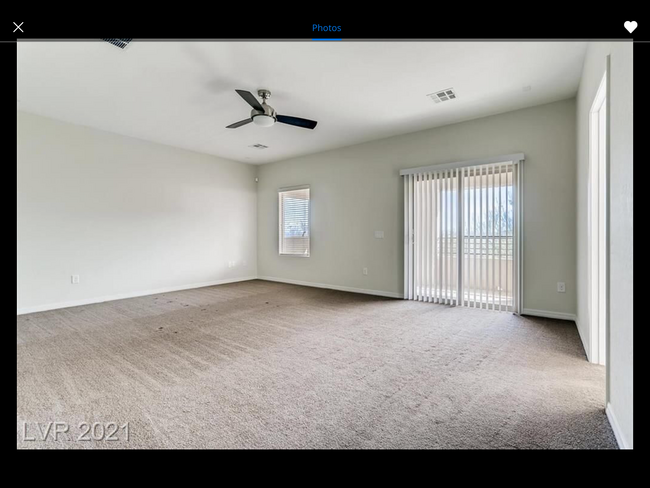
(263, 120)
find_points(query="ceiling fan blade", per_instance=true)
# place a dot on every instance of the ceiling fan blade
(297, 121)
(250, 99)
(239, 124)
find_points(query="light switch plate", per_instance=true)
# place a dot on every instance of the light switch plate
(379, 234)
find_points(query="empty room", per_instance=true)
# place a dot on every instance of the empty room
(324, 245)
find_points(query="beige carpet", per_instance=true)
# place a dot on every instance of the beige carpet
(268, 365)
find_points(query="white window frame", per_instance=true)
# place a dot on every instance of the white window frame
(280, 230)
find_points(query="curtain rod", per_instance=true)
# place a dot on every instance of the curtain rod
(515, 158)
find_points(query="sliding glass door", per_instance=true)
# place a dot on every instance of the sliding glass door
(488, 237)
(462, 230)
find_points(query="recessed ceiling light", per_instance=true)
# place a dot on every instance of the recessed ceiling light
(442, 95)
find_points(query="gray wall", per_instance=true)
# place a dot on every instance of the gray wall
(619, 350)
(130, 217)
(357, 190)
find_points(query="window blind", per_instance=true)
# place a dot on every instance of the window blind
(461, 235)
(294, 221)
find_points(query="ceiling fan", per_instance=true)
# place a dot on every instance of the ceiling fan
(265, 116)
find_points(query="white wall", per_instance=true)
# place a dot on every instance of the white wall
(128, 216)
(357, 190)
(619, 351)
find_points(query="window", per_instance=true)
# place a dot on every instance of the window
(294, 221)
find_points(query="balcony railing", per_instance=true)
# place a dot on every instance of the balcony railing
(497, 247)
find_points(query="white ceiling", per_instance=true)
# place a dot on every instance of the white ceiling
(183, 93)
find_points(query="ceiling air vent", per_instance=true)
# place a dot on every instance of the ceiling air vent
(259, 146)
(121, 43)
(442, 95)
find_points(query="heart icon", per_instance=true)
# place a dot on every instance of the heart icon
(630, 26)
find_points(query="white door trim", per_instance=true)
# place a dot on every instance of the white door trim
(597, 225)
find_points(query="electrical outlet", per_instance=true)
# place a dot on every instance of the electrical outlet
(561, 287)
(379, 234)
(365, 271)
(75, 279)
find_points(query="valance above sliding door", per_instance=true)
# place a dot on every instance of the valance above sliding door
(462, 233)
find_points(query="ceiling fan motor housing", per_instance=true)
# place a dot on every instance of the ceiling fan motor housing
(268, 112)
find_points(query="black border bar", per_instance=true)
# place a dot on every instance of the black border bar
(422, 24)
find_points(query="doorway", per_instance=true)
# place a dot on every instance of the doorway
(597, 225)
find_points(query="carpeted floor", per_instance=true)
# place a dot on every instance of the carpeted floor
(267, 365)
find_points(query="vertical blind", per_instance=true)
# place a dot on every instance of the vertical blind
(461, 236)
(294, 221)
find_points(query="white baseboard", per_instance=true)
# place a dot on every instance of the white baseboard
(121, 296)
(620, 438)
(549, 315)
(379, 293)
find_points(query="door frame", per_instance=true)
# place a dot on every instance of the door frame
(597, 225)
